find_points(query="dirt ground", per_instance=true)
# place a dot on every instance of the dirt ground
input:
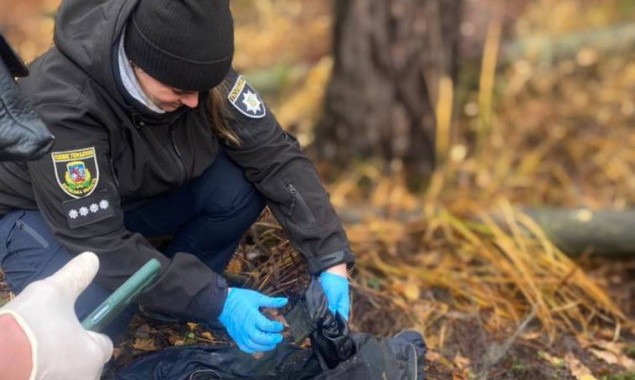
(492, 355)
(468, 351)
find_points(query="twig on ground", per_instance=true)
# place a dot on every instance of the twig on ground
(497, 352)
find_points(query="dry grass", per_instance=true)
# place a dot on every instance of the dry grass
(563, 137)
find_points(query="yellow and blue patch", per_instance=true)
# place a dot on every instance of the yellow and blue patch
(76, 171)
(246, 100)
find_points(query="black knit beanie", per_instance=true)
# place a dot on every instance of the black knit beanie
(186, 44)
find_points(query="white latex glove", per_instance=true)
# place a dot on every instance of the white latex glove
(63, 348)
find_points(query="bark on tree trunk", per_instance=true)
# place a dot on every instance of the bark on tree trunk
(389, 57)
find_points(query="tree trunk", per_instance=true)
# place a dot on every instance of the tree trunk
(389, 56)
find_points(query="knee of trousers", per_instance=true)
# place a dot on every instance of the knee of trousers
(237, 197)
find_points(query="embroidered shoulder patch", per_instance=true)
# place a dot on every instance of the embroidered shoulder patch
(246, 100)
(76, 171)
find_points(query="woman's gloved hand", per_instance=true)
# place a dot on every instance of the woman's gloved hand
(61, 347)
(335, 286)
(252, 331)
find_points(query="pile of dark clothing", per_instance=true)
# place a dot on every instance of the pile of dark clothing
(335, 353)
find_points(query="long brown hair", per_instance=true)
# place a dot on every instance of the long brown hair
(218, 117)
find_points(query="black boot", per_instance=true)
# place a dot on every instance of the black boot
(22, 134)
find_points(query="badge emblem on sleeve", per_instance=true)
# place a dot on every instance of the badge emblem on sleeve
(246, 100)
(76, 171)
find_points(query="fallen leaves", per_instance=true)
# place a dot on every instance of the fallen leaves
(235, 266)
(433, 356)
(459, 367)
(554, 361)
(147, 345)
(612, 353)
(608, 351)
(208, 336)
(409, 289)
(192, 326)
(577, 369)
(533, 335)
(460, 361)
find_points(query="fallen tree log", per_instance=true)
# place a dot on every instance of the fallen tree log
(615, 38)
(575, 231)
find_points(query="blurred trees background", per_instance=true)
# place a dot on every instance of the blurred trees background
(390, 58)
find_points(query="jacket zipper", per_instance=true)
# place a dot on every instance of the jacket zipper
(182, 173)
(303, 205)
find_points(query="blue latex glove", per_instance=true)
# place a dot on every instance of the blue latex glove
(336, 291)
(252, 331)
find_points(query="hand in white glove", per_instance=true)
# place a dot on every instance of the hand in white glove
(62, 348)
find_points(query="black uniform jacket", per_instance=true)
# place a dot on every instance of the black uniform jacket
(109, 157)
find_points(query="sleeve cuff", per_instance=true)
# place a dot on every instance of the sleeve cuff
(321, 263)
(207, 305)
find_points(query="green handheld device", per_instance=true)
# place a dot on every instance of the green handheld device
(121, 298)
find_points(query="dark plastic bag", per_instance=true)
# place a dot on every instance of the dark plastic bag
(331, 340)
(335, 354)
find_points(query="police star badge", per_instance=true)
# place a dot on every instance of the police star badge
(76, 171)
(246, 100)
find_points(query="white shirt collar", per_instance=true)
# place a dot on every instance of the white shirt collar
(129, 79)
